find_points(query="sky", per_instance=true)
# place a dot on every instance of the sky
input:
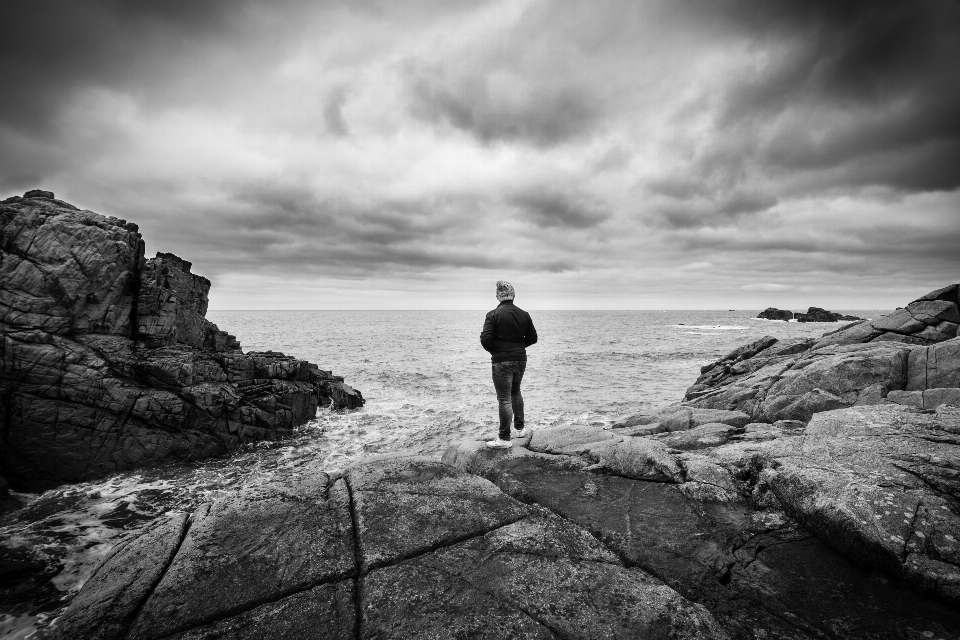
(611, 154)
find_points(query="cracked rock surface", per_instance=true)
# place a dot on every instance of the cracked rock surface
(107, 361)
(398, 547)
(843, 528)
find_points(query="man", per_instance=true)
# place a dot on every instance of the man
(507, 332)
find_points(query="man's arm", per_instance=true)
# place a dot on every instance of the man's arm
(486, 336)
(531, 337)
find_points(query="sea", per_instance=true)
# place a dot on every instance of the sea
(426, 382)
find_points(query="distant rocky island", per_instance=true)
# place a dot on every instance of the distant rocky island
(813, 314)
(107, 360)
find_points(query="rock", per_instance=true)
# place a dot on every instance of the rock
(105, 606)
(936, 366)
(65, 271)
(948, 293)
(816, 314)
(856, 374)
(926, 398)
(900, 321)
(338, 559)
(758, 572)
(858, 364)
(712, 434)
(772, 313)
(39, 193)
(682, 418)
(567, 439)
(881, 485)
(934, 311)
(107, 362)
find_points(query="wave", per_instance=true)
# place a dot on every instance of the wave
(715, 327)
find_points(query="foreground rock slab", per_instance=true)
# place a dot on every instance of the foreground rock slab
(716, 531)
(397, 547)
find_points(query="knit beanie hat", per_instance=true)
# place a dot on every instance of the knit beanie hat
(504, 291)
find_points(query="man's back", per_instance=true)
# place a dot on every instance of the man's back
(507, 331)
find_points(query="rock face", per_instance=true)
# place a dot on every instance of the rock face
(910, 357)
(393, 548)
(107, 361)
(845, 528)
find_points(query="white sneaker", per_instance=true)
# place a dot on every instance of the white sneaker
(499, 444)
(523, 433)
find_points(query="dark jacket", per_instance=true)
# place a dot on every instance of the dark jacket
(507, 332)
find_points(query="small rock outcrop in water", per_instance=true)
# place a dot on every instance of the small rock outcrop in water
(813, 314)
(772, 313)
(107, 361)
(816, 314)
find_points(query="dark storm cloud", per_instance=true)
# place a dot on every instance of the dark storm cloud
(882, 247)
(524, 109)
(868, 87)
(550, 207)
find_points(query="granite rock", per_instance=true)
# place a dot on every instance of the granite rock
(912, 349)
(337, 558)
(108, 363)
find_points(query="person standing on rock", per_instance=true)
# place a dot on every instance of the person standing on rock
(507, 332)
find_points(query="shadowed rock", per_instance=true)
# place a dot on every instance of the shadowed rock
(108, 363)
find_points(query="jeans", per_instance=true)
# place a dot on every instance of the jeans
(506, 380)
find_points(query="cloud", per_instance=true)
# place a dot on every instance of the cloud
(497, 104)
(580, 144)
(553, 208)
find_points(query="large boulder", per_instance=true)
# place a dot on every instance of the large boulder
(107, 361)
(881, 485)
(911, 356)
(395, 548)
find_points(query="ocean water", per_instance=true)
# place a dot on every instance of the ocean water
(427, 383)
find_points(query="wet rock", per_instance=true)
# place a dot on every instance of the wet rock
(105, 606)
(399, 547)
(107, 362)
(241, 552)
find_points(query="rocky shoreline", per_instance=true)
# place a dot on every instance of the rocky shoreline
(801, 490)
(107, 361)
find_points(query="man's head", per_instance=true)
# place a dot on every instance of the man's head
(504, 291)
